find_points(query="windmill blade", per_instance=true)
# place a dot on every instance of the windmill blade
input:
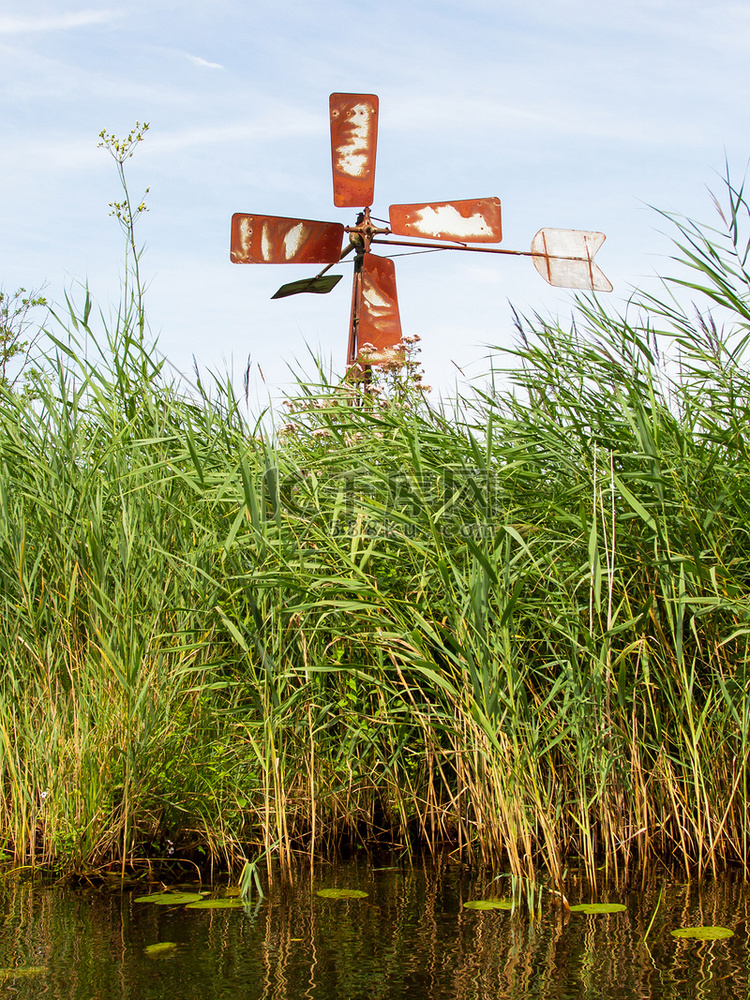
(375, 307)
(565, 258)
(354, 139)
(319, 285)
(270, 239)
(474, 221)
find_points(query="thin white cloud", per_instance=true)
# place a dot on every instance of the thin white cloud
(76, 155)
(204, 63)
(271, 127)
(57, 22)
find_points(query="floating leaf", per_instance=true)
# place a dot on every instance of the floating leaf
(598, 908)
(215, 904)
(489, 904)
(342, 893)
(23, 970)
(170, 898)
(703, 933)
(162, 948)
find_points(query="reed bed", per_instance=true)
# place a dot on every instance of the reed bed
(516, 626)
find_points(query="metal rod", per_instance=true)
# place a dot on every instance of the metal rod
(352, 349)
(513, 253)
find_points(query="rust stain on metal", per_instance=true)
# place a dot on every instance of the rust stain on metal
(378, 328)
(474, 221)
(354, 136)
(270, 239)
(565, 258)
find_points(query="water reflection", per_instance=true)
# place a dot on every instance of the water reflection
(411, 937)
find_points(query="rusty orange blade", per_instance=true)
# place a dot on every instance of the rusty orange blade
(379, 325)
(270, 239)
(474, 221)
(354, 139)
(565, 258)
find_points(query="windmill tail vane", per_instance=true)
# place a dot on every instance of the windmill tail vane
(563, 257)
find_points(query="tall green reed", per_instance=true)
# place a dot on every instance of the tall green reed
(517, 626)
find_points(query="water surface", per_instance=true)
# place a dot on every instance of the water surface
(410, 937)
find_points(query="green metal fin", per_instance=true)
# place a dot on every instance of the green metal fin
(319, 285)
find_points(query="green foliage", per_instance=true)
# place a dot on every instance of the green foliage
(703, 933)
(127, 213)
(170, 898)
(593, 909)
(341, 893)
(15, 320)
(161, 949)
(489, 904)
(398, 378)
(216, 904)
(519, 626)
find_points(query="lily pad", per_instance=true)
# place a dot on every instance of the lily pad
(489, 904)
(23, 970)
(170, 898)
(598, 908)
(342, 893)
(215, 904)
(703, 933)
(162, 948)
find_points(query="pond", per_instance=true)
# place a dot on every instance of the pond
(410, 936)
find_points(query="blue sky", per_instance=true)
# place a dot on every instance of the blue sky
(576, 115)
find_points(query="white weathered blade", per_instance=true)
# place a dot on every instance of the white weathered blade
(375, 305)
(474, 221)
(354, 140)
(271, 239)
(565, 258)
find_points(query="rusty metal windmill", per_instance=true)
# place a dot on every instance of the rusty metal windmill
(563, 257)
